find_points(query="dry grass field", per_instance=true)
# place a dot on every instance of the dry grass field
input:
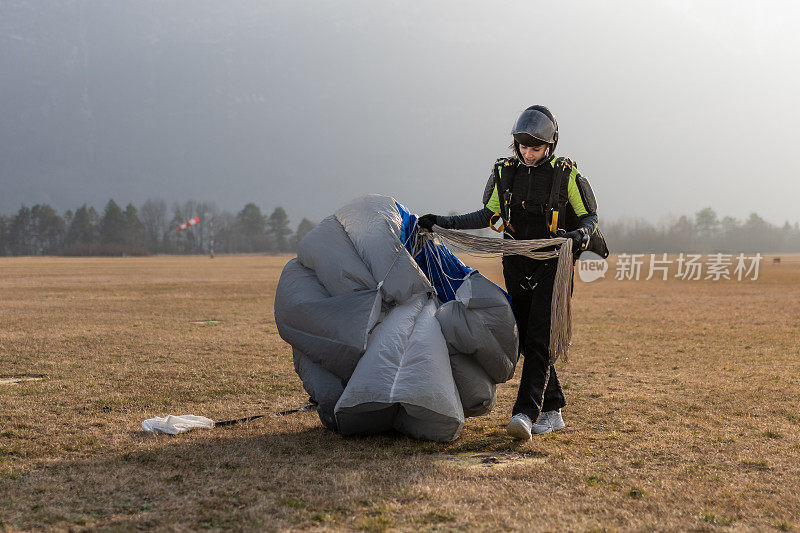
(684, 412)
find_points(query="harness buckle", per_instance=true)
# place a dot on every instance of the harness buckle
(503, 226)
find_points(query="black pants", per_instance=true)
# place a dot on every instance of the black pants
(530, 284)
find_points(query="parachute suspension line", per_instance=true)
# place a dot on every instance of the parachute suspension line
(493, 246)
(432, 252)
(445, 273)
(428, 262)
(429, 272)
(561, 308)
(446, 276)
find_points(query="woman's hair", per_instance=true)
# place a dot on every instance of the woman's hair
(511, 146)
(534, 145)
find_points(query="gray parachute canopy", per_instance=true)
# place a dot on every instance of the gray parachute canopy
(374, 345)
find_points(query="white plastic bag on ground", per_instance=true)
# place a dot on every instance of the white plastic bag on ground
(174, 424)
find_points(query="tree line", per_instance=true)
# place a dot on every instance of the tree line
(150, 229)
(704, 232)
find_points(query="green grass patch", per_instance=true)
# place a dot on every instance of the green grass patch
(292, 503)
(375, 523)
(215, 522)
(637, 493)
(436, 517)
(759, 465)
(715, 519)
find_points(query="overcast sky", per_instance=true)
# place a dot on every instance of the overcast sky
(667, 106)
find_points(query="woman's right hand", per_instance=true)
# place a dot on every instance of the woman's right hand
(427, 221)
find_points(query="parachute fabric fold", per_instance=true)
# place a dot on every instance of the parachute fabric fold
(331, 330)
(374, 226)
(475, 388)
(404, 380)
(327, 251)
(372, 343)
(321, 385)
(477, 323)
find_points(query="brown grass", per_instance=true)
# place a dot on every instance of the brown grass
(684, 412)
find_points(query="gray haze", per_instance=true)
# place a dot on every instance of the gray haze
(667, 106)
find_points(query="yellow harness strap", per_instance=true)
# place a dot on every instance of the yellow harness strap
(497, 217)
(554, 222)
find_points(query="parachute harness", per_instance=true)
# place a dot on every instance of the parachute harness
(560, 309)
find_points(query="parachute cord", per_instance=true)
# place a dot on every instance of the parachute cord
(561, 305)
(428, 265)
(561, 308)
(428, 242)
(430, 250)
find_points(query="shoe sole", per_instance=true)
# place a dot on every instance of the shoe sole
(518, 432)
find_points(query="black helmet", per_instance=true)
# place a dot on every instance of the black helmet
(535, 126)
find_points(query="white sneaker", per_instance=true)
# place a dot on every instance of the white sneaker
(549, 421)
(519, 426)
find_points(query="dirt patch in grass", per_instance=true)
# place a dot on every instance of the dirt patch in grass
(683, 411)
(12, 380)
(487, 460)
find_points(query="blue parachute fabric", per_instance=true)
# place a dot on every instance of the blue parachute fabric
(409, 225)
(444, 270)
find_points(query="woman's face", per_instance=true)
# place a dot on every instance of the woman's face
(532, 154)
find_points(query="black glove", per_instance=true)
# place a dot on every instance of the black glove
(427, 221)
(579, 239)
